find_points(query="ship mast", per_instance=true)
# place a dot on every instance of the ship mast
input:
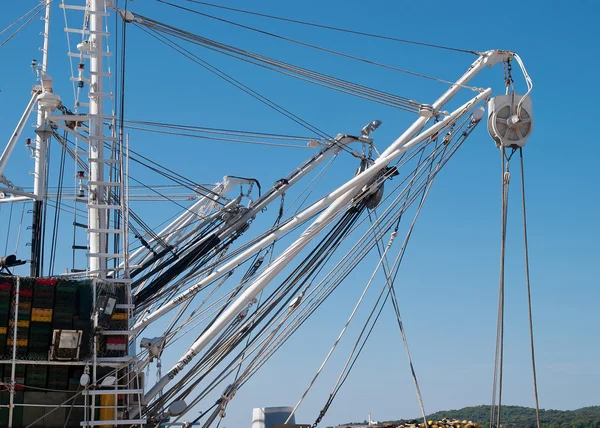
(41, 148)
(97, 188)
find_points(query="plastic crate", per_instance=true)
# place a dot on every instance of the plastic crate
(20, 324)
(41, 315)
(45, 281)
(121, 340)
(25, 293)
(37, 354)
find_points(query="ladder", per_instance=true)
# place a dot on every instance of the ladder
(98, 179)
(101, 192)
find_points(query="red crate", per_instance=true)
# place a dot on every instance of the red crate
(116, 340)
(45, 281)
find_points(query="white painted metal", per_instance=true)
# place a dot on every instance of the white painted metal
(297, 174)
(17, 199)
(510, 120)
(41, 145)
(18, 130)
(488, 59)
(339, 199)
(96, 193)
(13, 367)
(199, 209)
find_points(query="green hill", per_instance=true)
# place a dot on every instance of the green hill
(524, 417)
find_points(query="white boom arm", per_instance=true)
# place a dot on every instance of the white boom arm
(17, 133)
(487, 59)
(259, 205)
(278, 264)
(338, 200)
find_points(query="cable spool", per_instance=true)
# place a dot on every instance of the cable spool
(505, 127)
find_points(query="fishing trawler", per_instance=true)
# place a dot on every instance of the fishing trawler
(234, 279)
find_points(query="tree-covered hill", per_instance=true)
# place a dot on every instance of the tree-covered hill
(521, 417)
(524, 417)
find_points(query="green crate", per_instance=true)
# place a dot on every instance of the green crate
(38, 354)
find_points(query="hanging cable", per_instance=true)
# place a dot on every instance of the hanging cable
(270, 353)
(337, 341)
(22, 17)
(495, 413)
(225, 140)
(526, 246)
(279, 300)
(20, 228)
(55, 225)
(283, 67)
(221, 131)
(24, 24)
(8, 231)
(267, 33)
(328, 27)
(234, 82)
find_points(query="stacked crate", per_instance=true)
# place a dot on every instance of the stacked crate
(64, 305)
(40, 337)
(74, 378)
(17, 411)
(6, 287)
(19, 376)
(82, 320)
(36, 376)
(116, 346)
(23, 321)
(58, 377)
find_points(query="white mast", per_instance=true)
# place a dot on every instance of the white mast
(96, 214)
(41, 148)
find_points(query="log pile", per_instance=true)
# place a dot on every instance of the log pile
(444, 423)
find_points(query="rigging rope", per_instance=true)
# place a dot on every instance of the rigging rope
(526, 246)
(337, 341)
(8, 231)
(307, 75)
(328, 27)
(24, 24)
(495, 411)
(294, 326)
(209, 67)
(22, 17)
(226, 140)
(55, 224)
(265, 135)
(378, 64)
(20, 228)
(389, 285)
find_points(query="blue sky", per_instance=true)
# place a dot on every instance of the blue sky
(448, 284)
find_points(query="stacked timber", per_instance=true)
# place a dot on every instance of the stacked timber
(444, 423)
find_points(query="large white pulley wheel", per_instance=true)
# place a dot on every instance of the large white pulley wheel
(508, 125)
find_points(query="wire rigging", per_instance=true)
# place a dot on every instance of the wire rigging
(178, 48)
(529, 310)
(309, 45)
(495, 411)
(41, 6)
(304, 74)
(339, 29)
(224, 344)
